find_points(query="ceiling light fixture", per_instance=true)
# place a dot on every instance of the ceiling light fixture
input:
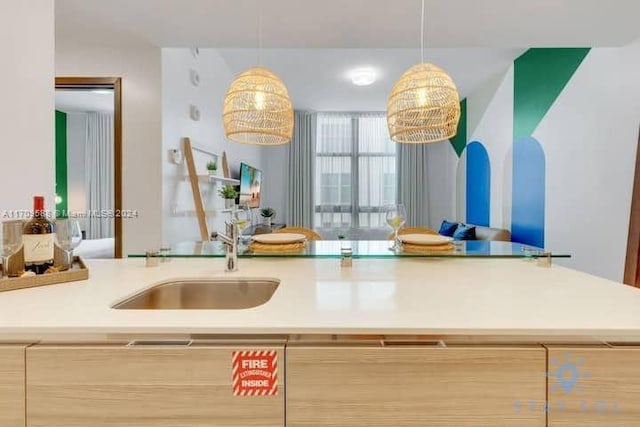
(102, 91)
(424, 105)
(257, 109)
(363, 76)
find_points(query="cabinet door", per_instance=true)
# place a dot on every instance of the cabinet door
(12, 385)
(146, 386)
(594, 386)
(414, 386)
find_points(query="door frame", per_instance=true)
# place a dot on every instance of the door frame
(114, 83)
(632, 264)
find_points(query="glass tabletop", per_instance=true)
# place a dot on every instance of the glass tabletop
(363, 249)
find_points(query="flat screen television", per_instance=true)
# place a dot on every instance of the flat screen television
(250, 182)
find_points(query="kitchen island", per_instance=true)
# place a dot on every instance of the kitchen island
(406, 342)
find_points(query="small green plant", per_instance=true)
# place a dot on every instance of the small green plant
(212, 165)
(228, 192)
(267, 212)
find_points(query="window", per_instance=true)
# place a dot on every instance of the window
(355, 170)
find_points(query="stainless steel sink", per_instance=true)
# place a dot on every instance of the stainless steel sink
(193, 294)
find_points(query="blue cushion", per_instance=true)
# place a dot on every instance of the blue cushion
(465, 232)
(448, 228)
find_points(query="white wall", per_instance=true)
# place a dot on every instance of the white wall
(27, 164)
(76, 140)
(140, 69)
(178, 93)
(589, 137)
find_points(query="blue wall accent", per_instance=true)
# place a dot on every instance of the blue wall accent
(478, 184)
(528, 192)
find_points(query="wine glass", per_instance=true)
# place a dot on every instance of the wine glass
(11, 242)
(396, 216)
(69, 236)
(242, 219)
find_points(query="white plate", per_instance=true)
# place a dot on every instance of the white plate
(278, 238)
(425, 239)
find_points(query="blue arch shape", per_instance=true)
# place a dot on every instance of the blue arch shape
(478, 184)
(528, 192)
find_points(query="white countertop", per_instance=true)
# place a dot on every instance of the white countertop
(476, 297)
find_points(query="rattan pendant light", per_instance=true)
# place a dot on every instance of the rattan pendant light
(257, 109)
(424, 105)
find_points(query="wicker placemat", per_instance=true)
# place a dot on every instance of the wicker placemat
(428, 249)
(258, 247)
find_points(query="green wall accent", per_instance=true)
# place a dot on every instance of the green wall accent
(61, 163)
(459, 141)
(540, 75)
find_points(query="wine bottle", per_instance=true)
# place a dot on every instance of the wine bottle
(38, 239)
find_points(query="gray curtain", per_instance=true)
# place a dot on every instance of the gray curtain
(413, 189)
(300, 209)
(99, 175)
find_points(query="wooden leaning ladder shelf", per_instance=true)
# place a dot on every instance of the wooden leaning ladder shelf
(195, 189)
(201, 215)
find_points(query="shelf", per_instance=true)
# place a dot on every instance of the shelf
(215, 178)
(191, 213)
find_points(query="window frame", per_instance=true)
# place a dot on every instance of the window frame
(354, 155)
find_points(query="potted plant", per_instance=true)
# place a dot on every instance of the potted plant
(229, 194)
(212, 167)
(268, 214)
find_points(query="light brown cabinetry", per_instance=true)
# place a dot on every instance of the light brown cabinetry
(594, 386)
(143, 386)
(12, 385)
(414, 386)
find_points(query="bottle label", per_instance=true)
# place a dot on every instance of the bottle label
(38, 248)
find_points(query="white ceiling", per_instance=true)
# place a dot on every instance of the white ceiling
(317, 79)
(73, 101)
(311, 44)
(348, 23)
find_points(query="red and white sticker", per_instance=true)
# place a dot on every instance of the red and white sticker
(255, 373)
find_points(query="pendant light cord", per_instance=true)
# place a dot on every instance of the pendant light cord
(260, 33)
(260, 36)
(422, 34)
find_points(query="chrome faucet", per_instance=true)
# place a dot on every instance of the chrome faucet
(230, 240)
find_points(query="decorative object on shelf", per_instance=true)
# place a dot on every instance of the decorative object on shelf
(257, 109)
(225, 165)
(229, 194)
(212, 167)
(424, 105)
(268, 215)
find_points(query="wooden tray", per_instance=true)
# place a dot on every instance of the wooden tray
(78, 271)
